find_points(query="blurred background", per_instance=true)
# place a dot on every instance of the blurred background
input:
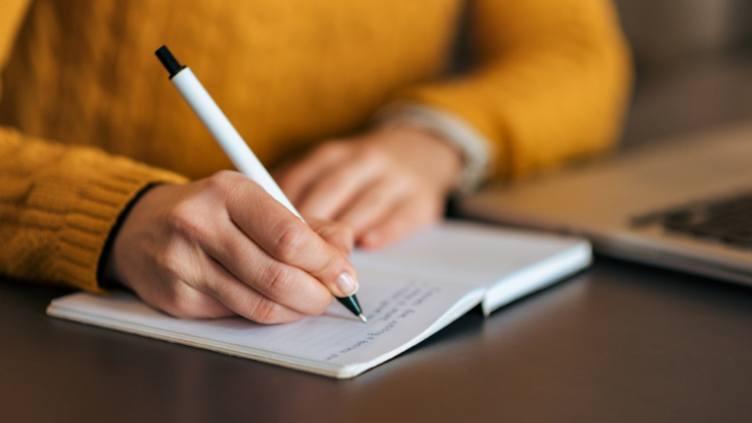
(693, 62)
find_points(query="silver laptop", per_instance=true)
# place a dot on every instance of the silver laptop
(683, 203)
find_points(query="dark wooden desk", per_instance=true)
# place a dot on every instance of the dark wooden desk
(619, 343)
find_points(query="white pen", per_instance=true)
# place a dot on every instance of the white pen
(230, 140)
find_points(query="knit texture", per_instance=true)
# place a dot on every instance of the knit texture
(89, 118)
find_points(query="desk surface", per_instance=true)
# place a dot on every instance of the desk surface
(618, 343)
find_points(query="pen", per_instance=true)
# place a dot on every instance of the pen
(231, 142)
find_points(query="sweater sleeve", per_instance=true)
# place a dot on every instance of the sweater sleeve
(550, 82)
(59, 203)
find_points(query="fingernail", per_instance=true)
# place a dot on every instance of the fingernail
(347, 284)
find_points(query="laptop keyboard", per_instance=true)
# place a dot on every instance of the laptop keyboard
(727, 220)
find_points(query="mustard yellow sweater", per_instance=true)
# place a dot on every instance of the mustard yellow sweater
(88, 119)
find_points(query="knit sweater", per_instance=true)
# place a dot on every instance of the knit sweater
(87, 118)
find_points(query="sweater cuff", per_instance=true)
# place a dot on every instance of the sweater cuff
(88, 223)
(475, 149)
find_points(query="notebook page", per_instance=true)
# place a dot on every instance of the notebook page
(399, 309)
(468, 253)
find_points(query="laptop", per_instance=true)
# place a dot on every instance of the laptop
(683, 203)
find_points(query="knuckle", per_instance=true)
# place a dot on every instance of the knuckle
(177, 262)
(290, 240)
(184, 303)
(278, 280)
(236, 249)
(210, 286)
(223, 179)
(169, 262)
(265, 312)
(224, 183)
(183, 221)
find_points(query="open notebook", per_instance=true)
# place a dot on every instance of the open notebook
(408, 292)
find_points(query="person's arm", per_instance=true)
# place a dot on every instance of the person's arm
(550, 83)
(58, 203)
(219, 246)
(215, 247)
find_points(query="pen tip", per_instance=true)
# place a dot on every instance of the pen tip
(363, 318)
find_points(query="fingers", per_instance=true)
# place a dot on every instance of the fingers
(184, 301)
(250, 267)
(401, 221)
(295, 180)
(289, 240)
(372, 205)
(242, 300)
(338, 235)
(326, 196)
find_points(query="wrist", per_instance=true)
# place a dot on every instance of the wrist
(475, 150)
(107, 274)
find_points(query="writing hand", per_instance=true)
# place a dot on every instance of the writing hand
(221, 246)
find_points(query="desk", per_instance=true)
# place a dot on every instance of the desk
(618, 343)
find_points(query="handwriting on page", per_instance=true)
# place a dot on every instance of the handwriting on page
(399, 309)
(386, 316)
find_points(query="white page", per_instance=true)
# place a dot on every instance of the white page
(452, 265)
(467, 253)
(400, 312)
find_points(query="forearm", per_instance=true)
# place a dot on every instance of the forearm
(58, 205)
(551, 83)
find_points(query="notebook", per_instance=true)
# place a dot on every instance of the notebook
(408, 292)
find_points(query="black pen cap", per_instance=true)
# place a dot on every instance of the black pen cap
(168, 61)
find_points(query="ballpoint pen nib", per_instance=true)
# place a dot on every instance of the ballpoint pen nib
(363, 318)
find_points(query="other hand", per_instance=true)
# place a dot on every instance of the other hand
(222, 246)
(383, 184)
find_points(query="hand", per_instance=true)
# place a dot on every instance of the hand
(221, 246)
(383, 185)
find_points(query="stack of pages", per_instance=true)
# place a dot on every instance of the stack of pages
(408, 292)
